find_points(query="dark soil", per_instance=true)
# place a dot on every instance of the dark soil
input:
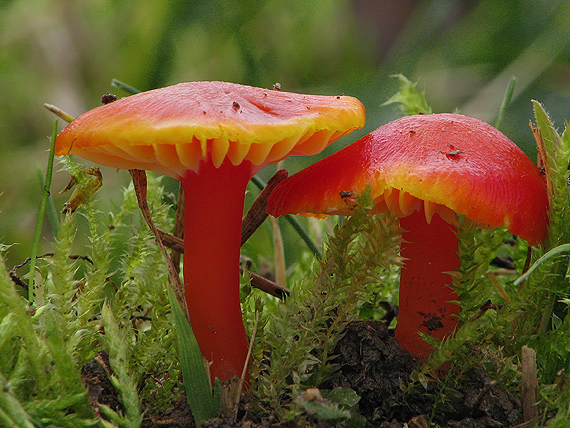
(374, 365)
(96, 377)
(378, 370)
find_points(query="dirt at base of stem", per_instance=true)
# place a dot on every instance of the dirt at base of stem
(377, 369)
(374, 365)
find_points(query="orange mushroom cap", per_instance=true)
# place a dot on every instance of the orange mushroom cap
(169, 130)
(449, 162)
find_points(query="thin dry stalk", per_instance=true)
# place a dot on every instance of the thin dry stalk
(529, 384)
(279, 253)
(245, 366)
(139, 182)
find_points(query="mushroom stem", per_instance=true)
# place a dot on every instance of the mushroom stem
(214, 200)
(427, 303)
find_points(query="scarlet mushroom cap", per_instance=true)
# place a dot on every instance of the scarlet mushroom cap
(170, 130)
(426, 168)
(213, 137)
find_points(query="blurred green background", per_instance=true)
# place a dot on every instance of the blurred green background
(65, 52)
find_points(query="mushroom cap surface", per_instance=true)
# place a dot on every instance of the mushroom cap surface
(450, 163)
(169, 130)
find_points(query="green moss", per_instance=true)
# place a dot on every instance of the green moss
(82, 307)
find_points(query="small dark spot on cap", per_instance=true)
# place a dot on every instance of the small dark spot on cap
(108, 98)
(235, 105)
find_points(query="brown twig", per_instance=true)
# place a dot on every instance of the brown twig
(18, 281)
(139, 182)
(257, 281)
(256, 214)
(270, 287)
(169, 240)
(484, 308)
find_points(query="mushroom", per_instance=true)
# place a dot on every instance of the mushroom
(213, 137)
(425, 169)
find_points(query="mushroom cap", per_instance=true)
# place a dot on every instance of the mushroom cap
(450, 163)
(169, 130)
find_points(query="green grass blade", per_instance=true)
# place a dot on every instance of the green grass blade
(296, 224)
(506, 101)
(122, 85)
(304, 234)
(51, 212)
(41, 214)
(551, 253)
(203, 403)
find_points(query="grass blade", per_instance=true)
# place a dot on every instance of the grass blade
(296, 224)
(551, 253)
(51, 212)
(125, 87)
(506, 101)
(41, 214)
(203, 404)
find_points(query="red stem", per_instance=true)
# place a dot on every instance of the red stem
(214, 199)
(425, 296)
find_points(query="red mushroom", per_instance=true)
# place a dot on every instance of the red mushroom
(426, 168)
(213, 137)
